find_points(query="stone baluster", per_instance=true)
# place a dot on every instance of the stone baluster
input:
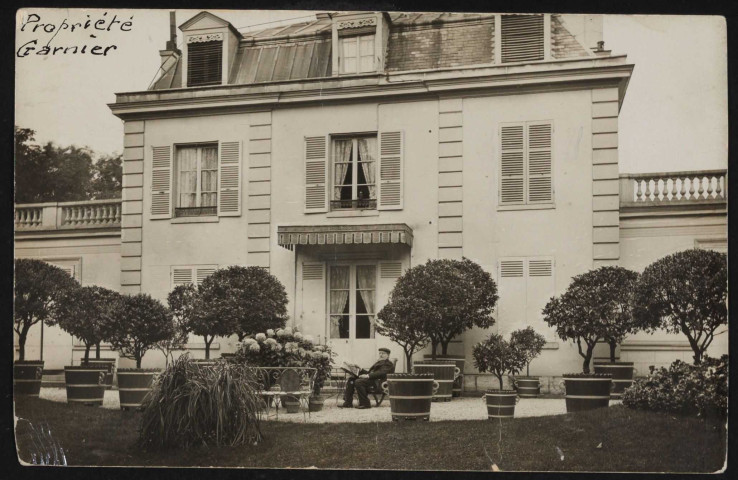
(638, 190)
(683, 190)
(701, 190)
(691, 188)
(718, 188)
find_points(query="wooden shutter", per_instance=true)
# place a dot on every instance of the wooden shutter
(390, 170)
(390, 270)
(201, 273)
(312, 271)
(522, 38)
(204, 63)
(161, 183)
(511, 308)
(229, 179)
(316, 163)
(540, 187)
(512, 164)
(181, 276)
(539, 290)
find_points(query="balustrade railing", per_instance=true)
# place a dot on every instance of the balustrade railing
(68, 215)
(705, 186)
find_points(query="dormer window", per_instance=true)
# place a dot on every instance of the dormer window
(204, 60)
(356, 54)
(522, 38)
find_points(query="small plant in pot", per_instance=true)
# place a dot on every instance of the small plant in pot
(87, 314)
(530, 344)
(37, 290)
(140, 323)
(499, 357)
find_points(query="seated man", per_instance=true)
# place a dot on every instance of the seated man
(375, 375)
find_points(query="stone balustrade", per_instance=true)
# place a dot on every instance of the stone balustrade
(702, 186)
(89, 214)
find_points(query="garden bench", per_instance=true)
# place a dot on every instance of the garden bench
(278, 383)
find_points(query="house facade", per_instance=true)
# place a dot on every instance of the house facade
(340, 152)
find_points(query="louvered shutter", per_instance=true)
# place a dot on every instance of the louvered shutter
(204, 63)
(201, 273)
(312, 271)
(390, 270)
(511, 308)
(316, 163)
(390, 170)
(539, 290)
(161, 182)
(522, 38)
(181, 276)
(512, 164)
(539, 163)
(229, 179)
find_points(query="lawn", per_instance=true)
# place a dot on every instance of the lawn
(612, 439)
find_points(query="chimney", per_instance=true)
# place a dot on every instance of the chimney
(172, 43)
(600, 51)
(170, 76)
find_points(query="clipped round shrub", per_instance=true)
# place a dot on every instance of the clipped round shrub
(193, 405)
(683, 388)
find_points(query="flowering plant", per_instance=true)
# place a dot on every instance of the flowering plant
(287, 347)
(683, 388)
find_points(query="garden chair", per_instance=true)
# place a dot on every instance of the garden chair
(376, 391)
(288, 382)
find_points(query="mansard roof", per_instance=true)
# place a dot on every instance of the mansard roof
(417, 41)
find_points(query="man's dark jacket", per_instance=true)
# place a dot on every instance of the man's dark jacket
(378, 372)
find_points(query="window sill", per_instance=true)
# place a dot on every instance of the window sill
(352, 213)
(204, 219)
(541, 206)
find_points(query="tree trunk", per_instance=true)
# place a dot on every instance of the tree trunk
(444, 347)
(22, 345)
(87, 353)
(409, 358)
(587, 358)
(433, 350)
(697, 357)
(97, 350)
(613, 344)
(138, 361)
(207, 346)
(499, 379)
(527, 369)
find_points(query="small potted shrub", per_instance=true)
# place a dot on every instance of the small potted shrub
(37, 290)
(500, 357)
(576, 316)
(530, 343)
(140, 323)
(87, 314)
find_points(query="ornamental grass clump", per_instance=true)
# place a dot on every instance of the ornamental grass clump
(193, 405)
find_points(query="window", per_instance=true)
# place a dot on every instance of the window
(525, 286)
(356, 54)
(352, 301)
(184, 274)
(204, 63)
(354, 173)
(197, 180)
(525, 163)
(522, 38)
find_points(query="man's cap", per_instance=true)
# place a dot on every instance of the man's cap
(385, 350)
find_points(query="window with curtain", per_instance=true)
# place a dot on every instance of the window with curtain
(354, 173)
(197, 180)
(356, 54)
(352, 301)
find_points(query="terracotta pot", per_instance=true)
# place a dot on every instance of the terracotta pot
(27, 377)
(316, 403)
(410, 395)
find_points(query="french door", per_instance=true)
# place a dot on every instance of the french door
(352, 312)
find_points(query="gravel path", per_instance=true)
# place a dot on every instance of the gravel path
(465, 408)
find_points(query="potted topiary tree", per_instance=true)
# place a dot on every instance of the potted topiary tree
(530, 344)
(248, 298)
(500, 357)
(576, 315)
(140, 323)
(37, 290)
(450, 296)
(399, 320)
(88, 314)
(611, 290)
(687, 293)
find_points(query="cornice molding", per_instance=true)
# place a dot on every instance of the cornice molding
(208, 37)
(235, 98)
(357, 23)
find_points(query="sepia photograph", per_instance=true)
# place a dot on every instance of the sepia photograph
(370, 240)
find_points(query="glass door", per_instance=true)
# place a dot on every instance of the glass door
(351, 312)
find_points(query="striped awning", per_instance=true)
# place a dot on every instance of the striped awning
(289, 236)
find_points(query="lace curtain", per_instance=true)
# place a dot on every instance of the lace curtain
(342, 159)
(339, 298)
(367, 147)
